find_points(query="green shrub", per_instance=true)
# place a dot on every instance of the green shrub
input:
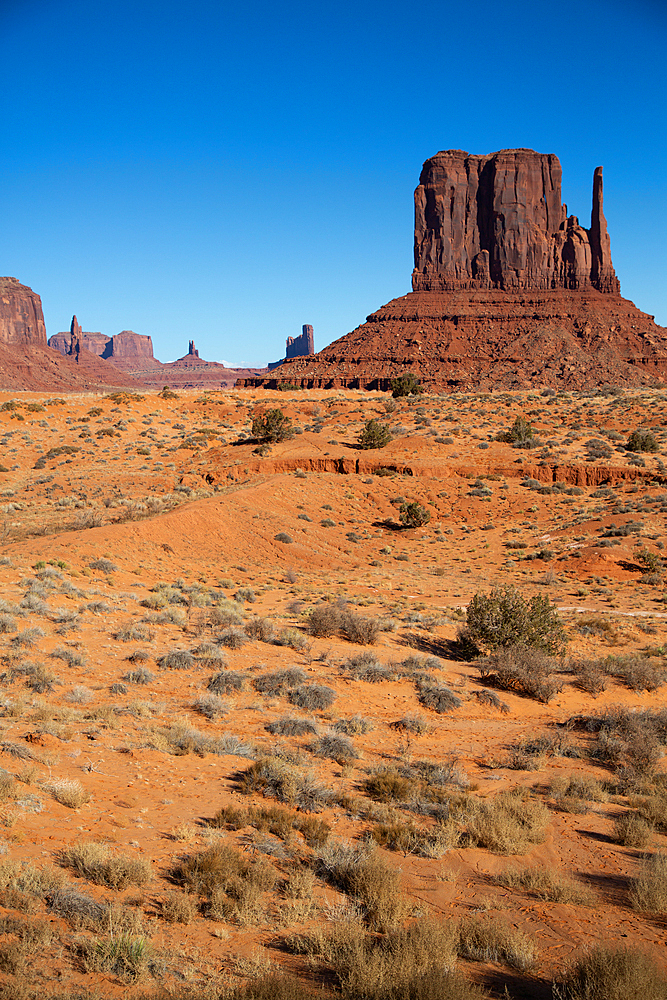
(406, 385)
(518, 434)
(413, 515)
(504, 618)
(272, 426)
(374, 435)
(642, 440)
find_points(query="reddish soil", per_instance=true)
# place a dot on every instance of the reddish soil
(172, 493)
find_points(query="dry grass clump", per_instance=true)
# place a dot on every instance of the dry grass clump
(523, 670)
(122, 955)
(491, 940)
(590, 677)
(486, 697)
(232, 638)
(387, 784)
(361, 873)
(546, 884)
(509, 823)
(273, 819)
(608, 973)
(632, 830)
(404, 835)
(139, 676)
(69, 792)
(574, 793)
(231, 882)
(101, 865)
(648, 891)
(178, 908)
(355, 725)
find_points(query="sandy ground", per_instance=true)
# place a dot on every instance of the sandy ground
(189, 518)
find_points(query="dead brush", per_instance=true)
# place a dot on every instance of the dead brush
(574, 793)
(490, 940)
(648, 890)
(362, 874)
(546, 884)
(509, 823)
(523, 670)
(231, 881)
(632, 830)
(99, 864)
(611, 973)
(226, 682)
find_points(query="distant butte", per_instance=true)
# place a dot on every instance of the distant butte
(509, 292)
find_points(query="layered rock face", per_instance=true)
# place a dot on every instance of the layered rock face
(298, 346)
(508, 292)
(497, 222)
(21, 316)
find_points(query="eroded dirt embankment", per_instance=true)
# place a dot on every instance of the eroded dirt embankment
(573, 475)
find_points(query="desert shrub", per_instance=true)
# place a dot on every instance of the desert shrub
(208, 655)
(283, 537)
(290, 725)
(134, 633)
(523, 670)
(413, 515)
(486, 697)
(272, 427)
(7, 624)
(632, 830)
(229, 879)
(177, 659)
(389, 785)
(438, 697)
(210, 706)
(275, 778)
(374, 435)
(509, 823)
(630, 740)
(354, 725)
(490, 940)
(366, 667)
(312, 697)
(406, 385)
(361, 873)
(325, 620)
(260, 628)
(232, 638)
(28, 636)
(518, 434)
(609, 973)
(642, 440)
(103, 565)
(574, 793)
(226, 682)
(279, 682)
(336, 746)
(293, 638)
(178, 908)
(648, 890)
(360, 629)
(641, 674)
(99, 864)
(504, 618)
(139, 676)
(590, 678)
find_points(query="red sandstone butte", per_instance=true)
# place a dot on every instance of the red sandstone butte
(509, 291)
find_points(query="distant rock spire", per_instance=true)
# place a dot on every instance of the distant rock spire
(75, 339)
(191, 349)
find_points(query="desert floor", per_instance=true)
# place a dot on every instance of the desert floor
(187, 769)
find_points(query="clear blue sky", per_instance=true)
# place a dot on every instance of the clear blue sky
(227, 172)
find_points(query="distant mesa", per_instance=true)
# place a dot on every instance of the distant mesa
(297, 347)
(125, 344)
(509, 292)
